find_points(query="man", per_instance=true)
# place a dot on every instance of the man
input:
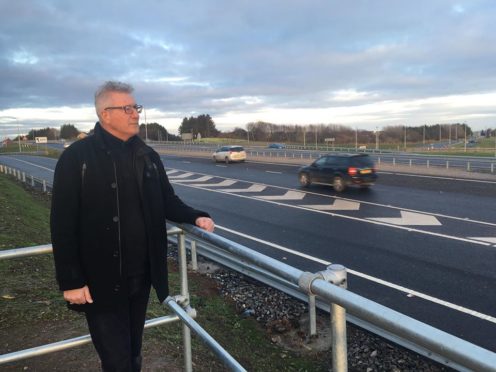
(111, 197)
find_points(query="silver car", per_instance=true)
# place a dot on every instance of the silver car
(229, 154)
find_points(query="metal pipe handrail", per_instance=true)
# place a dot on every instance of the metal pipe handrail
(72, 342)
(459, 351)
(209, 340)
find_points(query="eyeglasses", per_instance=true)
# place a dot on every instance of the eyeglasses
(128, 109)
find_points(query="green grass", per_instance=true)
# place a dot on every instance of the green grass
(31, 149)
(31, 305)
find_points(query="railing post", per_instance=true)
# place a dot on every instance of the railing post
(336, 274)
(468, 166)
(32, 181)
(194, 259)
(44, 186)
(23, 177)
(312, 315)
(188, 365)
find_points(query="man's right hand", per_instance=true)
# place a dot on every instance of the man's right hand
(78, 296)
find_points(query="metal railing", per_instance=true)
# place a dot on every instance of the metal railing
(328, 287)
(395, 159)
(178, 304)
(34, 182)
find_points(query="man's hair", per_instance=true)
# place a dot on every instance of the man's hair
(110, 87)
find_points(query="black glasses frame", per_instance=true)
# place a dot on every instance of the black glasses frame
(128, 109)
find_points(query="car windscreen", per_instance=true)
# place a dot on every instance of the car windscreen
(237, 149)
(362, 161)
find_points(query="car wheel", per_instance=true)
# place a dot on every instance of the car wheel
(226, 160)
(304, 179)
(214, 159)
(338, 184)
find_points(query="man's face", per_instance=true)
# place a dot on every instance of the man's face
(116, 121)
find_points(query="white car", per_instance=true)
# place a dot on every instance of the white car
(229, 154)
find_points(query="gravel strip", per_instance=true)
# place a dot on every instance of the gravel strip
(286, 322)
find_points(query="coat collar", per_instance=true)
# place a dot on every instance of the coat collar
(139, 147)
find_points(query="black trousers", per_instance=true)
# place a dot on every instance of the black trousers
(117, 332)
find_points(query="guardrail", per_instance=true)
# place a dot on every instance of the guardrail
(34, 182)
(179, 305)
(293, 153)
(328, 287)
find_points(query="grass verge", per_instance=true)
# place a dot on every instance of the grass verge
(32, 311)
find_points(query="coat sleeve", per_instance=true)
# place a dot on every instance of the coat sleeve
(175, 209)
(64, 221)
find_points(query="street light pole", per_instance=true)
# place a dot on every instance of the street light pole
(356, 139)
(18, 135)
(404, 146)
(146, 126)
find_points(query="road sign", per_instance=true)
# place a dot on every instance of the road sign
(41, 139)
(329, 139)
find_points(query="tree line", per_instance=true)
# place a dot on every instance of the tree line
(203, 126)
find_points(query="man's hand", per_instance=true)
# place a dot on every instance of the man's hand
(78, 296)
(205, 223)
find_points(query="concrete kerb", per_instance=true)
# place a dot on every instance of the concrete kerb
(431, 171)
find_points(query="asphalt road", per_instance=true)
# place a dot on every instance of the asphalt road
(424, 246)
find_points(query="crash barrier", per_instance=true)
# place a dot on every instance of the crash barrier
(294, 153)
(34, 182)
(178, 304)
(327, 290)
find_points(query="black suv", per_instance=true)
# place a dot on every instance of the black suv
(340, 171)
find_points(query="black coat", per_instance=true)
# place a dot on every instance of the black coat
(85, 226)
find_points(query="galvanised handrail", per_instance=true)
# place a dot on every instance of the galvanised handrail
(185, 315)
(458, 353)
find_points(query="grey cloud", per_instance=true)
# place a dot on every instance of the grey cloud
(289, 53)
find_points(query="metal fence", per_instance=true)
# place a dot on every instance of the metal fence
(34, 182)
(305, 155)
(178, 304)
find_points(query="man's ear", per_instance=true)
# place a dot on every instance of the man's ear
(104, 117)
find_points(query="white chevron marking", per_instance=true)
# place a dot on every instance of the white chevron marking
(338, 205)
(171, 171)
(485, 239)
(290, 195)
(252, 188)
(410, 219)
(200, 179)
(220, 184)
(184, 175)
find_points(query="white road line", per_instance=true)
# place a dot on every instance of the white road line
(253, 188)
(338, 205)
(289, 195)
(219, 184)
(408, 291)
(358, 219)
(273, 172)
(199, 179)
(184, 175)
(410, 219)
(464, 219)
(33, 164)
(437, 177)
(488, 239)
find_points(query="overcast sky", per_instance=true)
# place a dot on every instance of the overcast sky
(362, 63)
